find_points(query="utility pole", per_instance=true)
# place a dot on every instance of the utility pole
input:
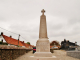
(18, 39)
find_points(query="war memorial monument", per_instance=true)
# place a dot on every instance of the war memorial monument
(43, 44)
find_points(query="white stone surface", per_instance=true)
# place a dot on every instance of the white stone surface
(43, 58)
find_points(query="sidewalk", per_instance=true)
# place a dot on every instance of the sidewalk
(61, 54)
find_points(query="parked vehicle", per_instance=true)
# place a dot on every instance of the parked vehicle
(34, 49)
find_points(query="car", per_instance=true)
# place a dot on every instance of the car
(34, 49)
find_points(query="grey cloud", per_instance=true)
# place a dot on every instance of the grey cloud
(74, 21)
(55, 27)
(2, 18)
(23, 17)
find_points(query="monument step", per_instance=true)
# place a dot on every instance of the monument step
(43, 54)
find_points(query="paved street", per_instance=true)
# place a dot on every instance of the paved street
(61, 54)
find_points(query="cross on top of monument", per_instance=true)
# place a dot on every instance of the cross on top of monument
(43, 11)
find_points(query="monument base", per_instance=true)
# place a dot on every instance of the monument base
(42, 54)
(43, 58)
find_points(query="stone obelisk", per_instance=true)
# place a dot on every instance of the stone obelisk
(43, 44)
(43, 27)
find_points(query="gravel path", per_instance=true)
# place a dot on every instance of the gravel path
(61, 54)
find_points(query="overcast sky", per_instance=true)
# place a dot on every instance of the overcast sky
(23, 17)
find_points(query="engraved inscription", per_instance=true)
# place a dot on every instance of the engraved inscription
(43, 46)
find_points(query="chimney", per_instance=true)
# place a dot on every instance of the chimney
(1, 33)
(10, 36)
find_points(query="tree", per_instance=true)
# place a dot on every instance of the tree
(28, 43)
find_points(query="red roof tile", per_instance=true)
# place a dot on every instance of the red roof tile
(13, 41)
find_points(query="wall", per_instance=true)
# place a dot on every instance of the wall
(75, 54)
(11, 52)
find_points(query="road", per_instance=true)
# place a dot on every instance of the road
(61, 54)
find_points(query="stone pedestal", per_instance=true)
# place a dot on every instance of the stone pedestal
(43, 58)
(43, 48)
